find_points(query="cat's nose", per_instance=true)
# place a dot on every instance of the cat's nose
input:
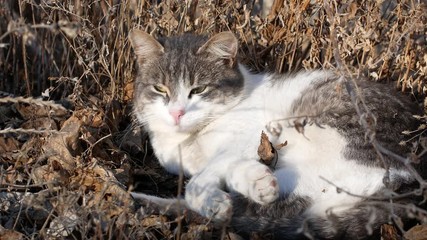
(177, 114)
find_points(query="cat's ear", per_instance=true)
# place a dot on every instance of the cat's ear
(144, 45)
(223, 45)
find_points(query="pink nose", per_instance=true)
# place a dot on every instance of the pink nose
(177, 114)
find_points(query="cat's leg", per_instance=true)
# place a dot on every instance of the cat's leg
(166, 206)
(205, 194)
(253, 180)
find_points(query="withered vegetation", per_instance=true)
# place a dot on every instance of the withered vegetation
(69, 153)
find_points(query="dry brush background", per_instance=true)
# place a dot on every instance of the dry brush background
(68, 151)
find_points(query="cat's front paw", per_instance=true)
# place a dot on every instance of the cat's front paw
(210, 202)
(255, 181)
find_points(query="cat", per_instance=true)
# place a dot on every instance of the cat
(204, 113)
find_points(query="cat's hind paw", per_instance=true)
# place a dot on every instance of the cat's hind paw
(255, 181)
(265, 187)
(211, 202)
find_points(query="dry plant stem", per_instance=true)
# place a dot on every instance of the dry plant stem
(18, 187)
(180, 187)
(398, 205)
(25, 131)
(31, 100)
(25, 28)
(406, 161)
(392, 196)
(43, 228)
(21, 206)
(299, 117)
(87, 68)
(24, 54)
(90, 148)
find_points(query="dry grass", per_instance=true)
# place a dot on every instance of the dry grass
(63, 172)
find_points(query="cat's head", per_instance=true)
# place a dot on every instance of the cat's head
(185, 82)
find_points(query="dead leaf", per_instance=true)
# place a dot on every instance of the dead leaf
(32, 110)
(266, 151)
(132, 141)
(279, 146)
(61, 146)
(418, 232)
(128, 91)
(114, 115)
(6, 234)
(8, 145)
(43, 123)
(389, 232)
(47, 174)
(299, 126)
(64, 225)
(123, 173)
(168, 19)
(12, 176)
(91, 118)
(109, 194)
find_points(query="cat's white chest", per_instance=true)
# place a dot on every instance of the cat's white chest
(176, 154)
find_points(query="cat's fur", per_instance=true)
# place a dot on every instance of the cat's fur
(214, 134)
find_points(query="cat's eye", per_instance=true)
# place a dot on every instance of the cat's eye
(160, 89)
(197, 90)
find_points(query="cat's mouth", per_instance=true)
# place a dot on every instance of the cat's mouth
(184, 127)
(181, 128)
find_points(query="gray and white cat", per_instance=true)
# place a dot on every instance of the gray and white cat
(204, 113)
